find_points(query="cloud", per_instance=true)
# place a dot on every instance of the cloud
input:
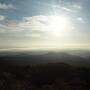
(2, 18)
(33, 23)
(74, 8)
(28, 27)
(35, 27)
(80, 19)
(68, 9)
(6, 6)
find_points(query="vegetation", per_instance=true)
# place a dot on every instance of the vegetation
(51, 76)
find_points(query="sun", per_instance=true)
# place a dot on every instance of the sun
(58, 25)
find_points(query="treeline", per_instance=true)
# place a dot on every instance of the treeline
(51, 76)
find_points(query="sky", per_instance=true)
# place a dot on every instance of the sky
(44, 24)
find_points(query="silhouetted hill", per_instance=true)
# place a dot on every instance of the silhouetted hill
(44, 70)
(51, 76)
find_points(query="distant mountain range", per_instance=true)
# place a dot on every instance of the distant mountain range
(72, 57)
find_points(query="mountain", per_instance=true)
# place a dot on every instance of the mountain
(40, 57)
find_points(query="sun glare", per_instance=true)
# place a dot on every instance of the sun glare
(58, 25)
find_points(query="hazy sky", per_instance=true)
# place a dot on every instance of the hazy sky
(27, 24)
